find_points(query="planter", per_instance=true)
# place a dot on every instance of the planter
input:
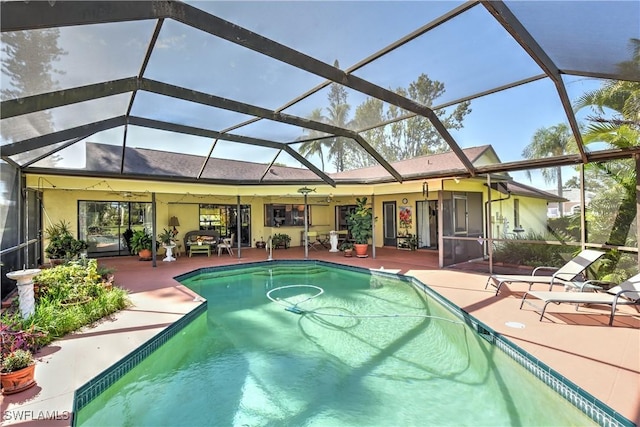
(261, 245)
(361, 250)
(348, 253)
(17, 381)
(169, 252)
(145, 254)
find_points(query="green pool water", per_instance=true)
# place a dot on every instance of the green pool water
(369, 351)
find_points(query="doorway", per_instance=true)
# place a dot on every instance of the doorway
(390, 232)
(427, 224)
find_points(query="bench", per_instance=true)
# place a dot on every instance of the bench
(208, 239)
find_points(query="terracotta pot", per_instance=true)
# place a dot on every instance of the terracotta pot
(17, 381)
(145, 254)
(361, 250)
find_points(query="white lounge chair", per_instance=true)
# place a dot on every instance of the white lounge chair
(565, 275)
(627, 292)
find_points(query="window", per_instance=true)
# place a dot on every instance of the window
(285, 215)
(516, 213)
(342, 212)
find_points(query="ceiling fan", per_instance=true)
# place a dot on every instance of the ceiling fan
(127, 194)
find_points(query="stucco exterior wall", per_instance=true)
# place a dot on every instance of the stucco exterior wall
(183, 200)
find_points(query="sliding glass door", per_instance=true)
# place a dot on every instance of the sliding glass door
(102, 225)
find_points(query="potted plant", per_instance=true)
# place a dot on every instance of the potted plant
(166, 237)
(127, 235)
(360, 223)
(18, 370)
(141, 244)
(413, 241)
(347, 248)
(260, 244)
(281, 240)
(62, 245)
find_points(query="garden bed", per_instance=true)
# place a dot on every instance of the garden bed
(90, 290)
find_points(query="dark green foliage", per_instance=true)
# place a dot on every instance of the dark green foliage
(141, 240)
(166, 236)
(518, 253)
(346, 245)
(281, 240)
(62, 245)
(360, 222)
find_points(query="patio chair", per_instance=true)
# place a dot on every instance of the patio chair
(626, 293)
(566, 275)
(316, 240)
(227, 243)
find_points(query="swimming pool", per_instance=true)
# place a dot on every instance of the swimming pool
(370, 350)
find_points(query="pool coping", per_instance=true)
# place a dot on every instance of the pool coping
(594, 408)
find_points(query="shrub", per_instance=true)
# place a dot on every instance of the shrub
(281, 239)
(62, 245)
(15, 338)
(518, 253)
(72, 282)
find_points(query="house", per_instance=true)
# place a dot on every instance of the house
(450, 215)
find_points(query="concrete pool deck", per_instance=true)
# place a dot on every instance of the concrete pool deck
(603, 360)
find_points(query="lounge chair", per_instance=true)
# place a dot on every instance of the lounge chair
(566, 275)
(627, 292)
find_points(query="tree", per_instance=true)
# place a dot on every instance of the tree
(369, 114)
(621, 129)
(403, 139)
(314, 147)
(416, 136)
(337, 115)
(553, 141)
(616, 122)
(28, 62)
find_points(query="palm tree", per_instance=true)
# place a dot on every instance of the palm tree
(337, 115)
(314, 147)
(546, 142)
(620, 130)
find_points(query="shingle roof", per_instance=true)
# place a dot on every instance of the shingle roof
(423, 165)
(156, 163)
(145, 162)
